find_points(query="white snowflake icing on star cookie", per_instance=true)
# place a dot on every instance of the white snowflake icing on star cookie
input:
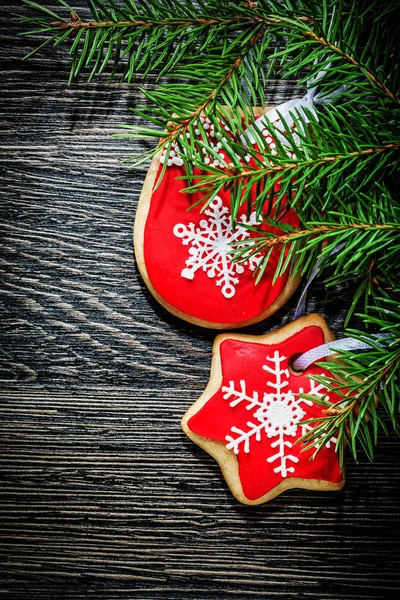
(276, 414)
(211, 247)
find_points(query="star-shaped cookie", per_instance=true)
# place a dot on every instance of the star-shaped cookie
(252, 413)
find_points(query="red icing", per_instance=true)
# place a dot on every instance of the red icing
(165, 256)
(243, 360)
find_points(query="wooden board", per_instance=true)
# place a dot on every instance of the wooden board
(101, 494)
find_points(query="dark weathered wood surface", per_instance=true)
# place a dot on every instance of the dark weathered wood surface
(102, 495)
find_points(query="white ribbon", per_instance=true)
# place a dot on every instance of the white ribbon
(308, 358)
(288, 111)
(301, 305)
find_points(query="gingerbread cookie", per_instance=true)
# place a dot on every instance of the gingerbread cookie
(250, 415)
(185, 256)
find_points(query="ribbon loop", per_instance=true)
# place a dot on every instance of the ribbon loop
(308, 358)
(288, 111)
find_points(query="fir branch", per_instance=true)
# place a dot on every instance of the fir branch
(246, 172)
(320, 233)
(242, 22)
(354, 62)
(299, 174)
(176, 129)
(356, 417)
(143, 35)
(77, 24)
(366, 230)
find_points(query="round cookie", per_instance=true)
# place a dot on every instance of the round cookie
(184, 253)
(249, 416)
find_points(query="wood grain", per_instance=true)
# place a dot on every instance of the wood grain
(102, 495)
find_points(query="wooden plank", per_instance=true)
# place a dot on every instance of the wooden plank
(102, 495)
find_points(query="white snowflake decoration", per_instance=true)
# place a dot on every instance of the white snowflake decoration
(211, 249)
(277, 414)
